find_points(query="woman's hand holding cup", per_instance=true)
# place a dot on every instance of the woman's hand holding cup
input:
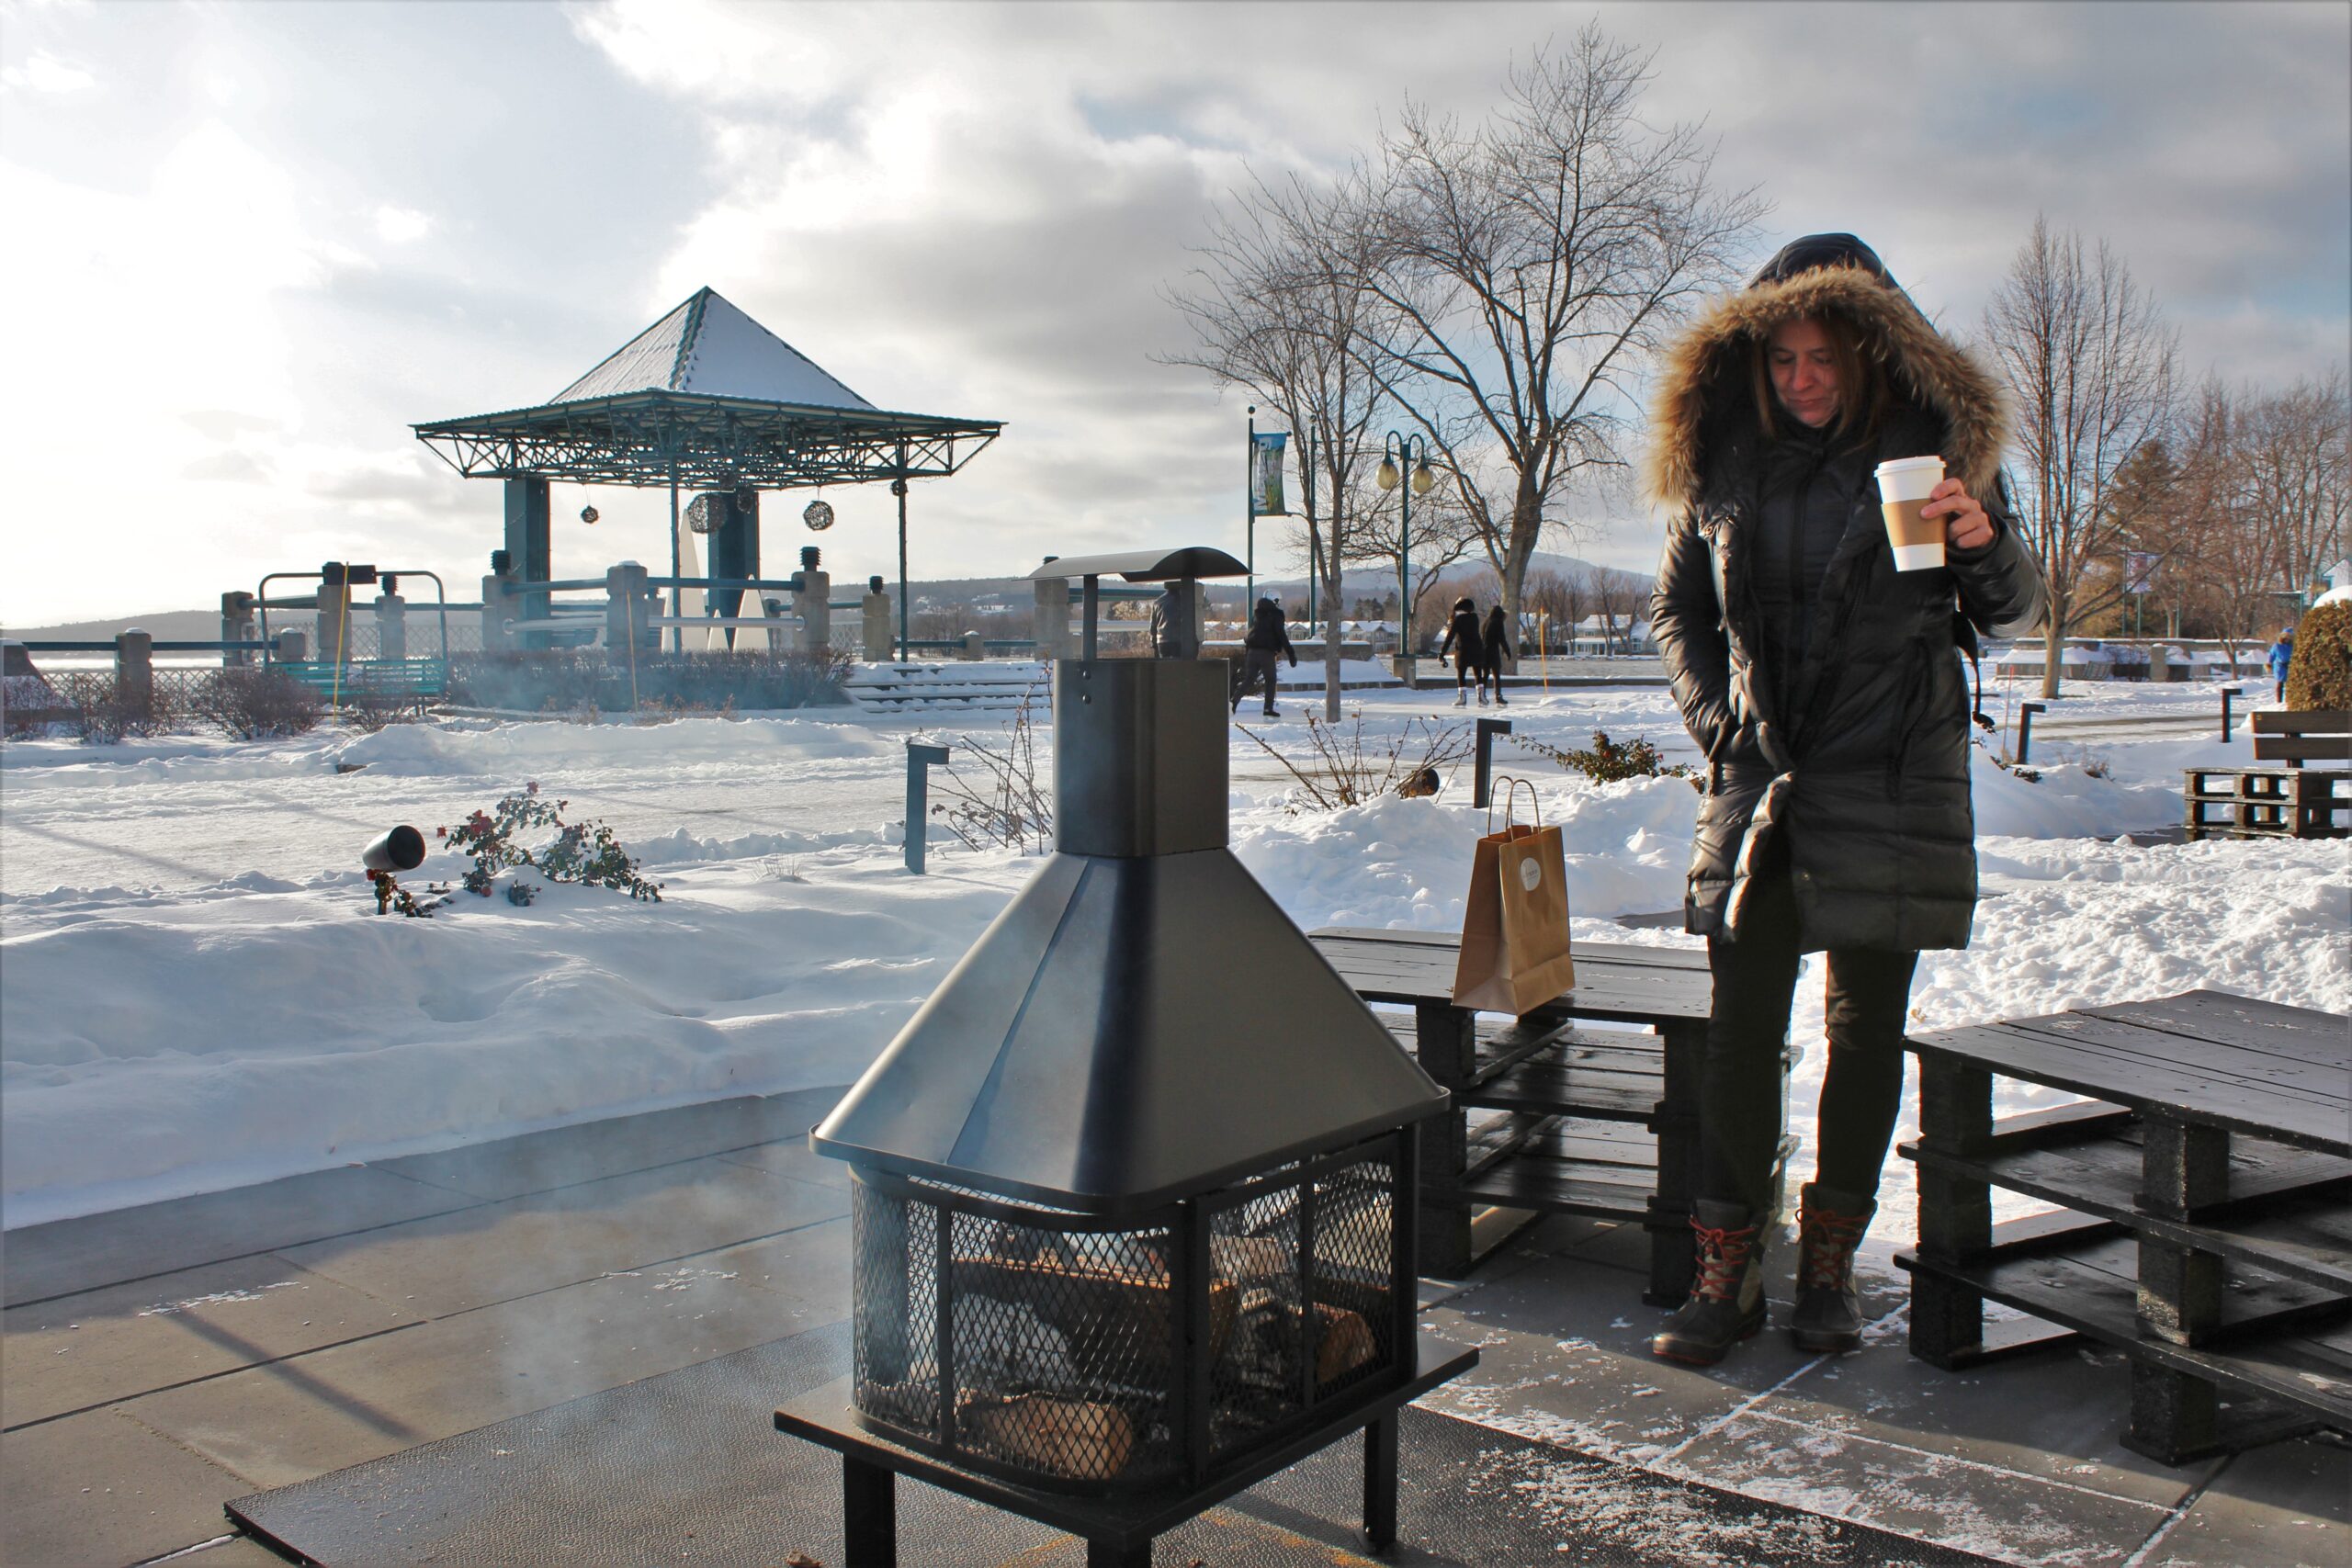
(1965, 525)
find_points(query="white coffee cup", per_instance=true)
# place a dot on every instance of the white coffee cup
(1903, 485)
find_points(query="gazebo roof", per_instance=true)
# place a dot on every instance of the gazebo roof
(709, 397)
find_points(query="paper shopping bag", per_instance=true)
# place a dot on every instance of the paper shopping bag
(1515, 952)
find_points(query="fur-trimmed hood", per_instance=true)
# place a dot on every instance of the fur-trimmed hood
(1703, 381)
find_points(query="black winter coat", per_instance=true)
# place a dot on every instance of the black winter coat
(1855, 753)
(1270, 633)
(1462, 638)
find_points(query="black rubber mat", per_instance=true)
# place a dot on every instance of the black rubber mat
(688, 1468)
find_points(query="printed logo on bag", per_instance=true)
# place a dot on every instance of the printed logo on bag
(1529, 873)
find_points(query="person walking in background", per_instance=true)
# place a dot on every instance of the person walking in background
(1261, 652)
(1469, 660)
(1494, 641)
(2282, 654)
(1825, 694)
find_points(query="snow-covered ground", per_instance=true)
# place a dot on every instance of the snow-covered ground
(196, 994)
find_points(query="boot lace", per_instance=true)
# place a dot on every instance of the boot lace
(1723, 1260)
(1827, 1254)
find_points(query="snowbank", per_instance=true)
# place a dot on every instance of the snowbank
(197, 997)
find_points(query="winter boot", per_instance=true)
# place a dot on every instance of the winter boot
(1829, 1311)
(1726, 1303)
(1482, 696)
(1500, 701)
(1461, 697)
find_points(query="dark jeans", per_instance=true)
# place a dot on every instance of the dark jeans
(1742, 1085)
(1258, 663)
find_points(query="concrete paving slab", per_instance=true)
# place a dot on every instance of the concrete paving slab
(236, 1552)
(2286, 1505)
(563, 1156)
(340, 1407)
(791, 1157)
(498, 1251)
(1931, 1497)
(66, 1256)
(810, 1269)
(78, 1351)
(2057, 1417)
(101, 1489)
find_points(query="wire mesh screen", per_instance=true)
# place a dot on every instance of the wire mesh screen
(1030, 1341)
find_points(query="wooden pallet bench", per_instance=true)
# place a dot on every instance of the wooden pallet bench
(2291, 802)
(1546, 1117)
(2205, 1222)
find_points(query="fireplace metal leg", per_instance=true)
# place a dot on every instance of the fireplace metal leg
(869, 1515)
(1102, 1554)
(1380, 1482)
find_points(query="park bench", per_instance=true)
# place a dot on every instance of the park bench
(1595, 1121)
(2205, 1219)
(410, 678)
(2291, 802)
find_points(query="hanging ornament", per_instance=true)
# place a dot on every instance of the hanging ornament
(703, 517)
(589, 514)
(818, 516)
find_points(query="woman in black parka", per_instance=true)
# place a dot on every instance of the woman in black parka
(1828, 695)
(1495, 651)
(1469, 658)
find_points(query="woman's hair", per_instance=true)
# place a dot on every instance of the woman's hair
(1464, 603)
(1862, 392)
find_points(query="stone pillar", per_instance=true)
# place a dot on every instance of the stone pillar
(334, 613)
(813, 600)
(626, 611)
(500, 603)
(876, 609)
(293, 647)
(1051, 625)
(973, 646)
(237, 625)
(391, 626)
(134, 674)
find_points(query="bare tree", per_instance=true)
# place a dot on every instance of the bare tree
(1280, 305)
(2291, 449)
(2092, 367)
(1615, 595)
(1531, 265)
(1444, 532)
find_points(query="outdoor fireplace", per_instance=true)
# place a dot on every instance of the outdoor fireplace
(1132, 1192)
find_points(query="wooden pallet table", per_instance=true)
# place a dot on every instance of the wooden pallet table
(2293, 802)
(2206, 1209)
(1591, 1121)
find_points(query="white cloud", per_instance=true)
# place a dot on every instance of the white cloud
(44, 73)
(402, 225)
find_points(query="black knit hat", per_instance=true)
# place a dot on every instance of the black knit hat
(1819, 251)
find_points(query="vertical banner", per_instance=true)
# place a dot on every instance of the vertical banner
(1266, 473)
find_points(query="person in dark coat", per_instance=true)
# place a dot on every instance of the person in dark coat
(1261, 652)
(2282, 654)
(1469, 658)
(1494, 645)
(1828, 702)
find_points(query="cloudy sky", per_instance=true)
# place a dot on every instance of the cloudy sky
(249, 244)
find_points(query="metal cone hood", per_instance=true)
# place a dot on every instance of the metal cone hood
(1143, 1021)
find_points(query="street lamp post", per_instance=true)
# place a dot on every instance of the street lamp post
(1398, 454)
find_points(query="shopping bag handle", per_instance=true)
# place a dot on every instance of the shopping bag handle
(1509, 787)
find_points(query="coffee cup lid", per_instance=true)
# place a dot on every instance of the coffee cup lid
(1904, 464)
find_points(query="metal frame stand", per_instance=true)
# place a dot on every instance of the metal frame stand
(1118, 1530)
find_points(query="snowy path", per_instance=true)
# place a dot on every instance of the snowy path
(195, 997)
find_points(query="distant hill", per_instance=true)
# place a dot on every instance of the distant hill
(164, 625)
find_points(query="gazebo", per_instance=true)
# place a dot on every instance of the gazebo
(705, 399)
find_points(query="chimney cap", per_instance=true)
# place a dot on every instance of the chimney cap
(1147, 566)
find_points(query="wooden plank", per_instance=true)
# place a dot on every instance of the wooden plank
(2302, 749)
(2225, 1062)
(2290, 1210)
(1449, 942)
(2106, 1075)
(2307, 1366)
(2303, 1034)
(2301, 721)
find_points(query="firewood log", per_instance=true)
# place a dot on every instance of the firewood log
(1073, 1437)
(1343, 1342)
